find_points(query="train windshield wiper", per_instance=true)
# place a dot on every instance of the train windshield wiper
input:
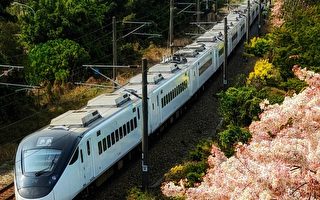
(45, 170)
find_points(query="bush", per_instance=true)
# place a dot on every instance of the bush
(274, 95)
(136, 194)
(293, 84)
(201, 152)
(231, 136)
(258, 46)
(264, 74)
(239, 106)
(193, 171)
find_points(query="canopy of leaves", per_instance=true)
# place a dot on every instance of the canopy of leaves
(55, 60)
(61, 19)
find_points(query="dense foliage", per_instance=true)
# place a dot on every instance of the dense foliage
(296, 41)
(9, 47)
(55, 60)
(281, 161)
(264, 73)
(4, 15)
(246, 101)
(230, 137)
(194, 168)
(258, 46)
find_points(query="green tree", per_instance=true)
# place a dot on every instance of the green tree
(79, 20)
(297, 41)
(55, 60)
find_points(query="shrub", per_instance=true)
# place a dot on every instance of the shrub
(239, 106)
(258, 46)
(193, 171)
(293, 84)
(274, 95)
(136, 194)
(231, 136)
(264, 73)
(201, 152)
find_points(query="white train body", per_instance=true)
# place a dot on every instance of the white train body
(62, 159)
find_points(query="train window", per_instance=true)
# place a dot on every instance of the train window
(74, 157)
(88, 147)
(98, 133)
(124, 130)
(112, 138)
(133, 109)
(152, 106)
(109, 141)
(121, 132)
(135, 122)
(242, 27)
(221, 51)
(138, 113)
(40, 160)
(81, 156)
(162, 102)
(117, 135)
(104, 142)
(235, 36)
(128, 127)
(131, 123)
(100, 147)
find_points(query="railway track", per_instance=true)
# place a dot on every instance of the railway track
(7, 192)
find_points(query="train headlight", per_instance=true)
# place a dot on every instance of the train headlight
(54, 178)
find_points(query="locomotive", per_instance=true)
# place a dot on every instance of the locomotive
(76, 148)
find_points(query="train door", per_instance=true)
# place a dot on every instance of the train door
(193, 80)
(87, 161)
(155, 114)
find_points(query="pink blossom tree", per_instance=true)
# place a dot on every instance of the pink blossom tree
(282, 161)
(277, 14)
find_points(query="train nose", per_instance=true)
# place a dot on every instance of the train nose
(39, 193)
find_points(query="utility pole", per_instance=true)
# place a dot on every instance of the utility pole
(171, 26)
(145, 158)
(198, 11)
(225, 81)
(216, 9)
(114, 48)
(248, 22)
(259, 26)
(228, 5)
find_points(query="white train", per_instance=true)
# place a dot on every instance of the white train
(81, 146)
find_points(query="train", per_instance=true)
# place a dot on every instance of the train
(79, 147)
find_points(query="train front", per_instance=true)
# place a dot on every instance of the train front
(40, 161)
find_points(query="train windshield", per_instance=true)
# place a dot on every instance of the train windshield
(40, 161)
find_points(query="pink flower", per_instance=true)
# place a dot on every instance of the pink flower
(282, 160)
